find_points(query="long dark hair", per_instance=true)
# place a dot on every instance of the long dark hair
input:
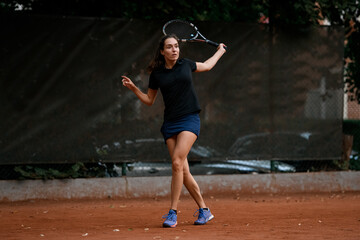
(159, 61)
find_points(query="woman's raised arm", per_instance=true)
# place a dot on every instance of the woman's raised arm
(211, 62)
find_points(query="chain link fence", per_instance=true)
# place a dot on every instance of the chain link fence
(274, 102)
(351, 129)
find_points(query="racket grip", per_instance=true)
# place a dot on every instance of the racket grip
(212, 43)
(215, 44)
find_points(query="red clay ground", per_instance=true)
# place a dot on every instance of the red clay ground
(293, 216)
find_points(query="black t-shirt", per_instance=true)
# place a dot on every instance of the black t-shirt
(177, 89)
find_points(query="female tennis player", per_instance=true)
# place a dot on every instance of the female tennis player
(181, 126)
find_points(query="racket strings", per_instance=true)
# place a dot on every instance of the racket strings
(181, 30)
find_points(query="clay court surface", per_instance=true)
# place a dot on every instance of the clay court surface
(260, 216)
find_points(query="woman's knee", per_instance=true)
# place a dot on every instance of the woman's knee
(178, 164)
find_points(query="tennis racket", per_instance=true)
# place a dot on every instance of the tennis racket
(186, 32)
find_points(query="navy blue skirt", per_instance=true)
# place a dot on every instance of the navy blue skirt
(189, 123)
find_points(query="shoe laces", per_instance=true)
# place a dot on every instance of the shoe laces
(171, 216)
(199, 213)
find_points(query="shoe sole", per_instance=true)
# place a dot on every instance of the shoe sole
(210, 218)
(169, 226)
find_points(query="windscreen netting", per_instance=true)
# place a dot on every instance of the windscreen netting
(274, 96)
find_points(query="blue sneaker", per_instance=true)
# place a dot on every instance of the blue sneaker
(171, 219)
(203, 216)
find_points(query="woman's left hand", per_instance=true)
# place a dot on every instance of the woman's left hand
(128, 83)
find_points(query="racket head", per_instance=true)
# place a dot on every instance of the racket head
(182, 29)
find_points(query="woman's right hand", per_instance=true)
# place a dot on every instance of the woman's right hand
(128, 83)
(222, 47)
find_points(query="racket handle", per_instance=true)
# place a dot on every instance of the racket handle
(212, 43)
(215, 44)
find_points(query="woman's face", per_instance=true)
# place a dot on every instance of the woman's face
(171, 49)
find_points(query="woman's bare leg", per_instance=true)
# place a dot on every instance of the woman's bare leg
(179, 147)
(192, 186)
